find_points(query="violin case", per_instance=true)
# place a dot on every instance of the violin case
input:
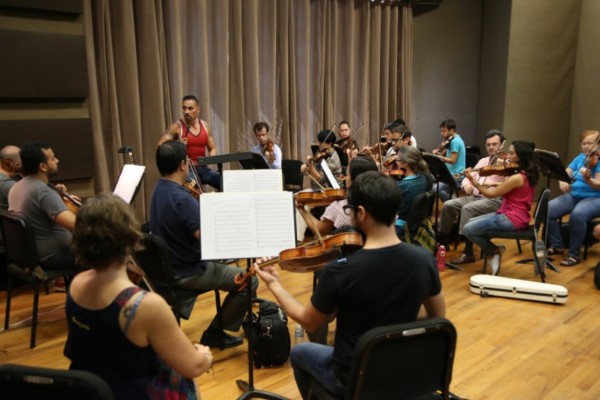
(490, 285)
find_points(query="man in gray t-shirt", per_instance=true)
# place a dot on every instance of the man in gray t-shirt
(43, 208)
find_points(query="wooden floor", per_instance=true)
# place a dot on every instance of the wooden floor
(507, 349)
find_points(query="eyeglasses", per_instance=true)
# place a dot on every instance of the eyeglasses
(349, 207)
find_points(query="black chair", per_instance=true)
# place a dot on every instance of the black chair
(589, 240)
(471, 159)
(23, 263)
(32, 383)
(403, 361)
(154, 260)
(540, 221)
(293, 179)
(473, 149)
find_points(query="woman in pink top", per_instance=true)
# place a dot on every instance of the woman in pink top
(514, 212)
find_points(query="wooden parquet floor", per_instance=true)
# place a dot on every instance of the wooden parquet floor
(507, 349)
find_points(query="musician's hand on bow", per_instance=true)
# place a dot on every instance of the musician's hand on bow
(435, 151)
(468, 189)
(467, 174)
(61, 187)
(267, 273)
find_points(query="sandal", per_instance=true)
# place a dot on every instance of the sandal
(569, 261)
(552, 251)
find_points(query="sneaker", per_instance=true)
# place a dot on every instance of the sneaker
(494, 261)
(59, 285)
(213, 337)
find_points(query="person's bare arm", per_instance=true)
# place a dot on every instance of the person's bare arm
(433, 307)
(210, 145)
(66, 219)
(168, 339)
(172, 133)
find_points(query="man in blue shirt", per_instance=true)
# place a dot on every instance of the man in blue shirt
(175, 217)
(452, 151)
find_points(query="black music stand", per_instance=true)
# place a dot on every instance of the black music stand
(552, 168)
(250, 392)
(441, 173)
(256, 162)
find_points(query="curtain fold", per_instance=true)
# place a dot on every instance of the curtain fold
(304, 63)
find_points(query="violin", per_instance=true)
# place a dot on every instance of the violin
(72, 203)
(311, 257)
(444, 145)
(192, 186)
(323, 197)
(399, 173)
(501, 170)
(590, 162)
(322, 155)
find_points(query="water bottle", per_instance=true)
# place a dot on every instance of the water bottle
(298, 334)
(541, 254)
(441, 258)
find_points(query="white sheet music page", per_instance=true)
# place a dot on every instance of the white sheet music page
(252, 180)
(246, 225)
(128, 182)
(329, 175)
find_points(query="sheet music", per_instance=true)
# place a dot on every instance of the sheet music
(329, 175)
(246, 225)
(253, 180)
(129, 180)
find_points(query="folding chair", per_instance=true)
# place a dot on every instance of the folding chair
(32, 383)
(403, 361)
(21, 251)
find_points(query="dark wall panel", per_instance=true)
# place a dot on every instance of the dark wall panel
(71, 140)
(42, 65)
(66, 6)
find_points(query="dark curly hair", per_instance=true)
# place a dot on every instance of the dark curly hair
(106, 231)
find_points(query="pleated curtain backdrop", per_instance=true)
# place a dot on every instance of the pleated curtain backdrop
(305, 64)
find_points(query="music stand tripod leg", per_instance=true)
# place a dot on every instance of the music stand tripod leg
(248, 387)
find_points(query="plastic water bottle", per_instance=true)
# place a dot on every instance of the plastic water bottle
(441, 258)
(541, 253)
(298, 334)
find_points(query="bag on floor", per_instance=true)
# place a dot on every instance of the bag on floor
(269, 334)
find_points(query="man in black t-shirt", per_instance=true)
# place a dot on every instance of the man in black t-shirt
(384, 283)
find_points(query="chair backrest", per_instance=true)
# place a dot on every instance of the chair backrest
(404, 361)
(19, 240)
(420, 209)
(473, 149)
(154, 259)
(471, 159)
(292, 177)
(540, 215)
(29, 383)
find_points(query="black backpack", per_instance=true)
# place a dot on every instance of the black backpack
(269, 334)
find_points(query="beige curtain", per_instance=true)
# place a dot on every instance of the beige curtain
(306, 64)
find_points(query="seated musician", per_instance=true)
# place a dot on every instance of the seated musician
(581, 200)
(352, 287)
(125, 335)
(334, 218)
(347, 145)
(44, 209)
(416, 180)
(198, 139)
(517, 193)
(266, 145)
(175, 217)
(326, 152)
(474, 203)
(453, 152)
(10, 169)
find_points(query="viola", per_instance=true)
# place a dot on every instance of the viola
(192, 186)
(501, 170)
(322, 197)
(311, 257)
(72, 203)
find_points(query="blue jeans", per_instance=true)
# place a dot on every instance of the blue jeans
(314, 360)
(207, 176)
(476, 229)
(582, 211)
(446, 191)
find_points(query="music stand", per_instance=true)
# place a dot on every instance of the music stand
(256, 162)
(552, 168)
(441, 173)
